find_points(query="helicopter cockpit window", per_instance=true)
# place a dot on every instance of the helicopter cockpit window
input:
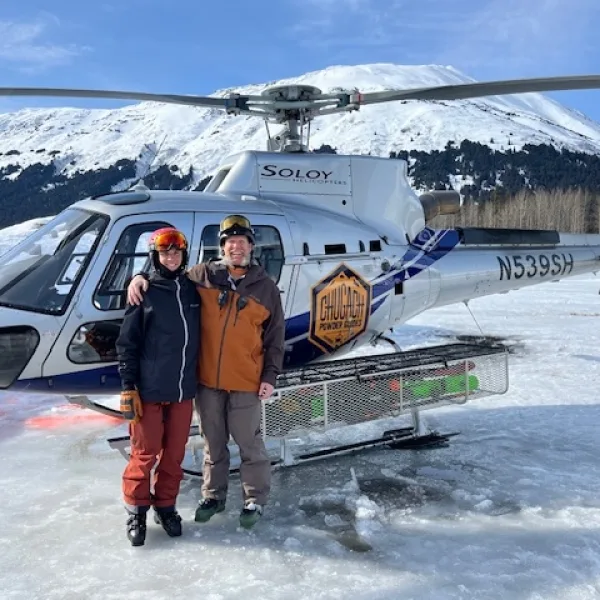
(268, 250)
(42, 273)
(130, 257)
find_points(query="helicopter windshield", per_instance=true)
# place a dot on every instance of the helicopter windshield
(42, 272)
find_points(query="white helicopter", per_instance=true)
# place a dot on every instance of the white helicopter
(345, 237)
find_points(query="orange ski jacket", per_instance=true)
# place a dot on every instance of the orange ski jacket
(242, 328)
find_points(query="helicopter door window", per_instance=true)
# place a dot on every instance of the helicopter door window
(130, 257)
(268, 250)
(95, 342)
(42, 273)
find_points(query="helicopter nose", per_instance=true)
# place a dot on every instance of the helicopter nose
(17, 345)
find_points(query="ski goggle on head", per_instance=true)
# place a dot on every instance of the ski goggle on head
(235, 222)
(163, 240)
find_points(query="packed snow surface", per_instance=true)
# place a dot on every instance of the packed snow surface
(509, 510)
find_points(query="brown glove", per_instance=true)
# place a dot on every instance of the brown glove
(131, 405)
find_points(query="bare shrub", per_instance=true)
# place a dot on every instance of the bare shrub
(571, 211)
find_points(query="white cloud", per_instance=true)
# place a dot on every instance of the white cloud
(26, 46)
(322, 17)
(402, 28)
(513, 35)
(499, 37)
(334, 5)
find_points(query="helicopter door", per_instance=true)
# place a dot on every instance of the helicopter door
(87, 341)
(273, 239)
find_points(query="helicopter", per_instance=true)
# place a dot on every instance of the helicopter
(347, 240)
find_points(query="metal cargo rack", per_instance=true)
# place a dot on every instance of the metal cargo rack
(327, 395)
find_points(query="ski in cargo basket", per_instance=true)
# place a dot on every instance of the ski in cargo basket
(350, 391)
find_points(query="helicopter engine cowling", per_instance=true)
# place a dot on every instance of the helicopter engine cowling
(440, 202)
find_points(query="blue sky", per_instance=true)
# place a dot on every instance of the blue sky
(187, 46)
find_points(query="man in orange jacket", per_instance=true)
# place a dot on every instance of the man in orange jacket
(241, 353)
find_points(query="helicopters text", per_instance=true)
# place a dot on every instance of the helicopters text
(345, 237)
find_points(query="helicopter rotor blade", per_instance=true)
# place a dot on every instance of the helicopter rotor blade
(490, 88)
(116, 95)
(234, 104)
(311, 105)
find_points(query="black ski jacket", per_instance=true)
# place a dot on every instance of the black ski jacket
(158, 342)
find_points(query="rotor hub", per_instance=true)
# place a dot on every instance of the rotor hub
(291, 93)
(293, 105)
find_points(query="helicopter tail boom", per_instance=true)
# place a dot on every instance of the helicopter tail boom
(463, 264)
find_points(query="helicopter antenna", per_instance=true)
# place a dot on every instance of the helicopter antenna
(269, 138)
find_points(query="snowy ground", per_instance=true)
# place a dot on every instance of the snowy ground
(510, 510)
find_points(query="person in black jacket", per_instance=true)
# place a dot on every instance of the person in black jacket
(157, 349)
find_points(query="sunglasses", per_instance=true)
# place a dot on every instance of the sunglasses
(168, 240)
(235, 221)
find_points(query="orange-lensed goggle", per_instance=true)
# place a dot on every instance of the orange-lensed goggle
(169, 239)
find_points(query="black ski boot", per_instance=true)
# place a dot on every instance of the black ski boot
(136, 528)
(169, 519)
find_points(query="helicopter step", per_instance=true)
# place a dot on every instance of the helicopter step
(341, 393)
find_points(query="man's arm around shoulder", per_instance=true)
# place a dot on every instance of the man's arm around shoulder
(197, 273)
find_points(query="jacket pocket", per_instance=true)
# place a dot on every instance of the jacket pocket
(257, 358)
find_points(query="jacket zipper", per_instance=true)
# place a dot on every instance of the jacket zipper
(185, 339)
(223, 340)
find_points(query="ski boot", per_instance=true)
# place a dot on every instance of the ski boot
(169, 520)
(250, 514)
(207, 508)
(136, 528)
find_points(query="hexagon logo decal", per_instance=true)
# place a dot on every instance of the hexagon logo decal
(340, 307)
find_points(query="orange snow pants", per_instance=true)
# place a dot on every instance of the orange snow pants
(161, 435)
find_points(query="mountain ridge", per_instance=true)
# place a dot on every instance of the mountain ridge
(50, 157)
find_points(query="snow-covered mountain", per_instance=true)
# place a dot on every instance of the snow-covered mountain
(83, 140)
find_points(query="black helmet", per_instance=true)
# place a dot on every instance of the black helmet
(235, 225)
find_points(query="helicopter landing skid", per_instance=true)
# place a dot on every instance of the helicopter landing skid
(404, 438)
